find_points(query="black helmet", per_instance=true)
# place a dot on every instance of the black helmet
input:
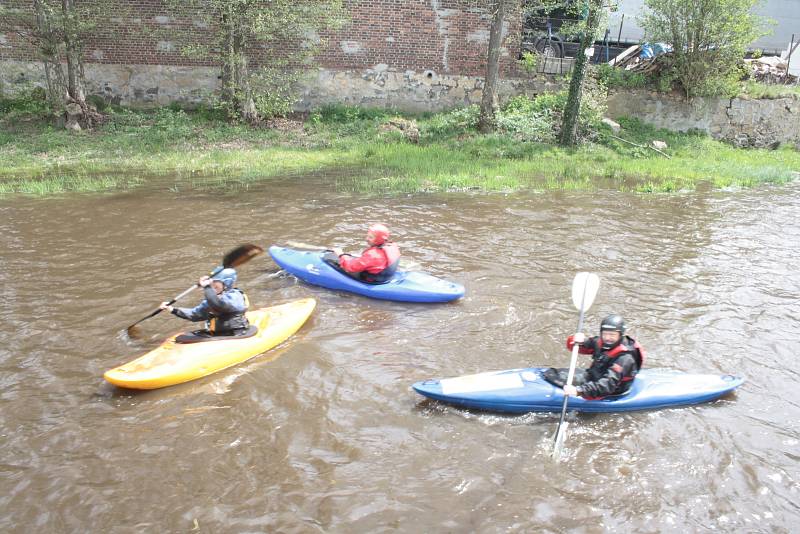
(612, 323)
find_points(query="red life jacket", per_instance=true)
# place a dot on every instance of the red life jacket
(392, 253)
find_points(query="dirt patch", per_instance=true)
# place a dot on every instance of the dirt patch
(282, 124)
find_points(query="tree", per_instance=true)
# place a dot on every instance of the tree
(261, 46)
(569, 125)
(708, 37)
(58, 29)
(487, 121)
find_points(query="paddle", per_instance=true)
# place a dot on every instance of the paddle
(584, 289)
(306, 246)
(238, 256)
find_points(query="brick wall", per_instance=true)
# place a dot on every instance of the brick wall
(443, 36)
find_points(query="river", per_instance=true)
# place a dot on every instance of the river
(324, 434)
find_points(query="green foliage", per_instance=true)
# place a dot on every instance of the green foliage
(527, 119)
(98, 102)
(530, 119)
(235, 34)
(27, 103)
(754, 89)
(459, 120)
(529, 62)
(616, 77)
(340, 114)
(136, 147)
(709, 39)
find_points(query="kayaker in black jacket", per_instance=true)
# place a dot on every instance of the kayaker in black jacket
(616, 359)
(223, 309)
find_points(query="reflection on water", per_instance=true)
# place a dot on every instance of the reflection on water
(324, 434)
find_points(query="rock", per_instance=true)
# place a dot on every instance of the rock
(660, 145)
(615, 127)
(742, 140)
(408, 128)
(74, 114)
(73, 109)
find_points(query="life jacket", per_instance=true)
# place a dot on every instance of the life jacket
(392, 253)
(626, 344)
(226, 324)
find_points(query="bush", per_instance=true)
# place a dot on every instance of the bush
(615, 77)
(708, 39)
(539, 119)
(455, 121)
(31, 102)
(529, 120)
(529, 62)
(98, 102)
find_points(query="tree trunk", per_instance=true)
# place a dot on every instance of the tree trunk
(77, 110)
(48, 45)
(569, 125)
(236, 91)
(247, 106)
(487, 121)
(228, 90)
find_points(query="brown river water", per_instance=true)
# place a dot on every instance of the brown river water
(324, 434)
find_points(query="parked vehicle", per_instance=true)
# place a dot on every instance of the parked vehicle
(543, 27)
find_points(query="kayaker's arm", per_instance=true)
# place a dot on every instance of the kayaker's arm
(370, 259)
(624, 366)
(584, 347)
(198, 313)
(226, 302)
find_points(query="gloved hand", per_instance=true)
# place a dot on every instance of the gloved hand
(571, 391)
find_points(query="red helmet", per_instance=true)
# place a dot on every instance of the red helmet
(380, 232)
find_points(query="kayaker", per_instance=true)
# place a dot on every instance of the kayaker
(223, 308)
(378, 263)
(616, 359)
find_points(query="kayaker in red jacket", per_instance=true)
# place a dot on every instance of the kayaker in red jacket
(378, 263)
(616, 359)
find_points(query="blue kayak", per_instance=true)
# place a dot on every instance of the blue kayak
(406, 286)
(524, 390)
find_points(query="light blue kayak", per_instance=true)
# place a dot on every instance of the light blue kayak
(524, 390)
(406, 286)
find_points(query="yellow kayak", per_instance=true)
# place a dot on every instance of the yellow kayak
(174, 363)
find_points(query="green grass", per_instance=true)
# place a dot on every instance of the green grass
(755, 89)
(351, 145)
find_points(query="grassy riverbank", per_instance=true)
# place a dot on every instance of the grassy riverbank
(358, 145)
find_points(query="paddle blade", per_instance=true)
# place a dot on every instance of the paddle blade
(584, 289)
(561, 434)
(241, 255)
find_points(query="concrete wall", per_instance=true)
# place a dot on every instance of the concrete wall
(745, 122)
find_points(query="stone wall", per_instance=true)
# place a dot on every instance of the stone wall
(380, 86)
(410, 90)
(745, 122)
